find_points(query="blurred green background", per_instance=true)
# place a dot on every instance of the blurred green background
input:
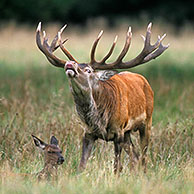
(175, 11)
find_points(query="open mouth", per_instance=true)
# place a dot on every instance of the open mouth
(70, 71)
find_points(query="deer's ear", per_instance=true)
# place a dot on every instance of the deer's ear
(54, 140)
(107, 74)
(39, 143)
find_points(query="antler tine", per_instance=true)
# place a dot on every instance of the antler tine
(53, 46)
(46, 49)
(45, 42)
(57, 62)
(157, 53)
(149, 51)
(92, 55)
(62, 43)
(110, 51)
(158, 42)
(66, 52)
(53, 43)
(126, 47)
(38, 39)
(102, 64)
(147, 45)
(148, 48)
(148, 35)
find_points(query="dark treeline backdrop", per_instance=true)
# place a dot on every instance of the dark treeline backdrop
(78, 11)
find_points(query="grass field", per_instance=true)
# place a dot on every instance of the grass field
(35, 99)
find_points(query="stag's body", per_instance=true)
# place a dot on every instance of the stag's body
(112, 109)
(115, 106)
(111, 104)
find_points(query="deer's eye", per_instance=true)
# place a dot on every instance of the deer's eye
(51, 152)
(87, 70)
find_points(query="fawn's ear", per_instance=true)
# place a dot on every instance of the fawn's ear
(54, 140)
(39, 143)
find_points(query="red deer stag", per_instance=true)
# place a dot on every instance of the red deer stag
(111, 104)
(52, 157)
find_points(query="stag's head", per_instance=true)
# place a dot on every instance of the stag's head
(79, 75)
(84, 75)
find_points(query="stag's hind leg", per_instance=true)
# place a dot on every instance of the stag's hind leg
(144, 133)
(117, 161)
(130, 149)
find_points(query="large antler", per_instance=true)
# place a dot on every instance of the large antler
(148, 53)
(49, 49)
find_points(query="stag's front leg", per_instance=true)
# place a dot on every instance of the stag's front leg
(88, 142)
(117, 161)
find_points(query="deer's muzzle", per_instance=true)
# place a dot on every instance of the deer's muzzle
(60, 160)
(70, 70)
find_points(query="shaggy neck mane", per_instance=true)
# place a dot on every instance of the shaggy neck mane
(105, 96)
(105, 99)
(96, 108)
(83, 103)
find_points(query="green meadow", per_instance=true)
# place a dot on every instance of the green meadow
(35, 99)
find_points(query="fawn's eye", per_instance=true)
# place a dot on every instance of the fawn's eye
(51, 152)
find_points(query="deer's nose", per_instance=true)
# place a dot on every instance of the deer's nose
(60, 160)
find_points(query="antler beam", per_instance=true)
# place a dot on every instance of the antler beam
(148, 53)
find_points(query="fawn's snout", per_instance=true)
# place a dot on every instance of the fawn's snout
(60, 160)
(54, 155)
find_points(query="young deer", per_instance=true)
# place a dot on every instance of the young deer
(52, 157)
(110, 103)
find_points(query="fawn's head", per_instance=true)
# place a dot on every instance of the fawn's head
(53, 154)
